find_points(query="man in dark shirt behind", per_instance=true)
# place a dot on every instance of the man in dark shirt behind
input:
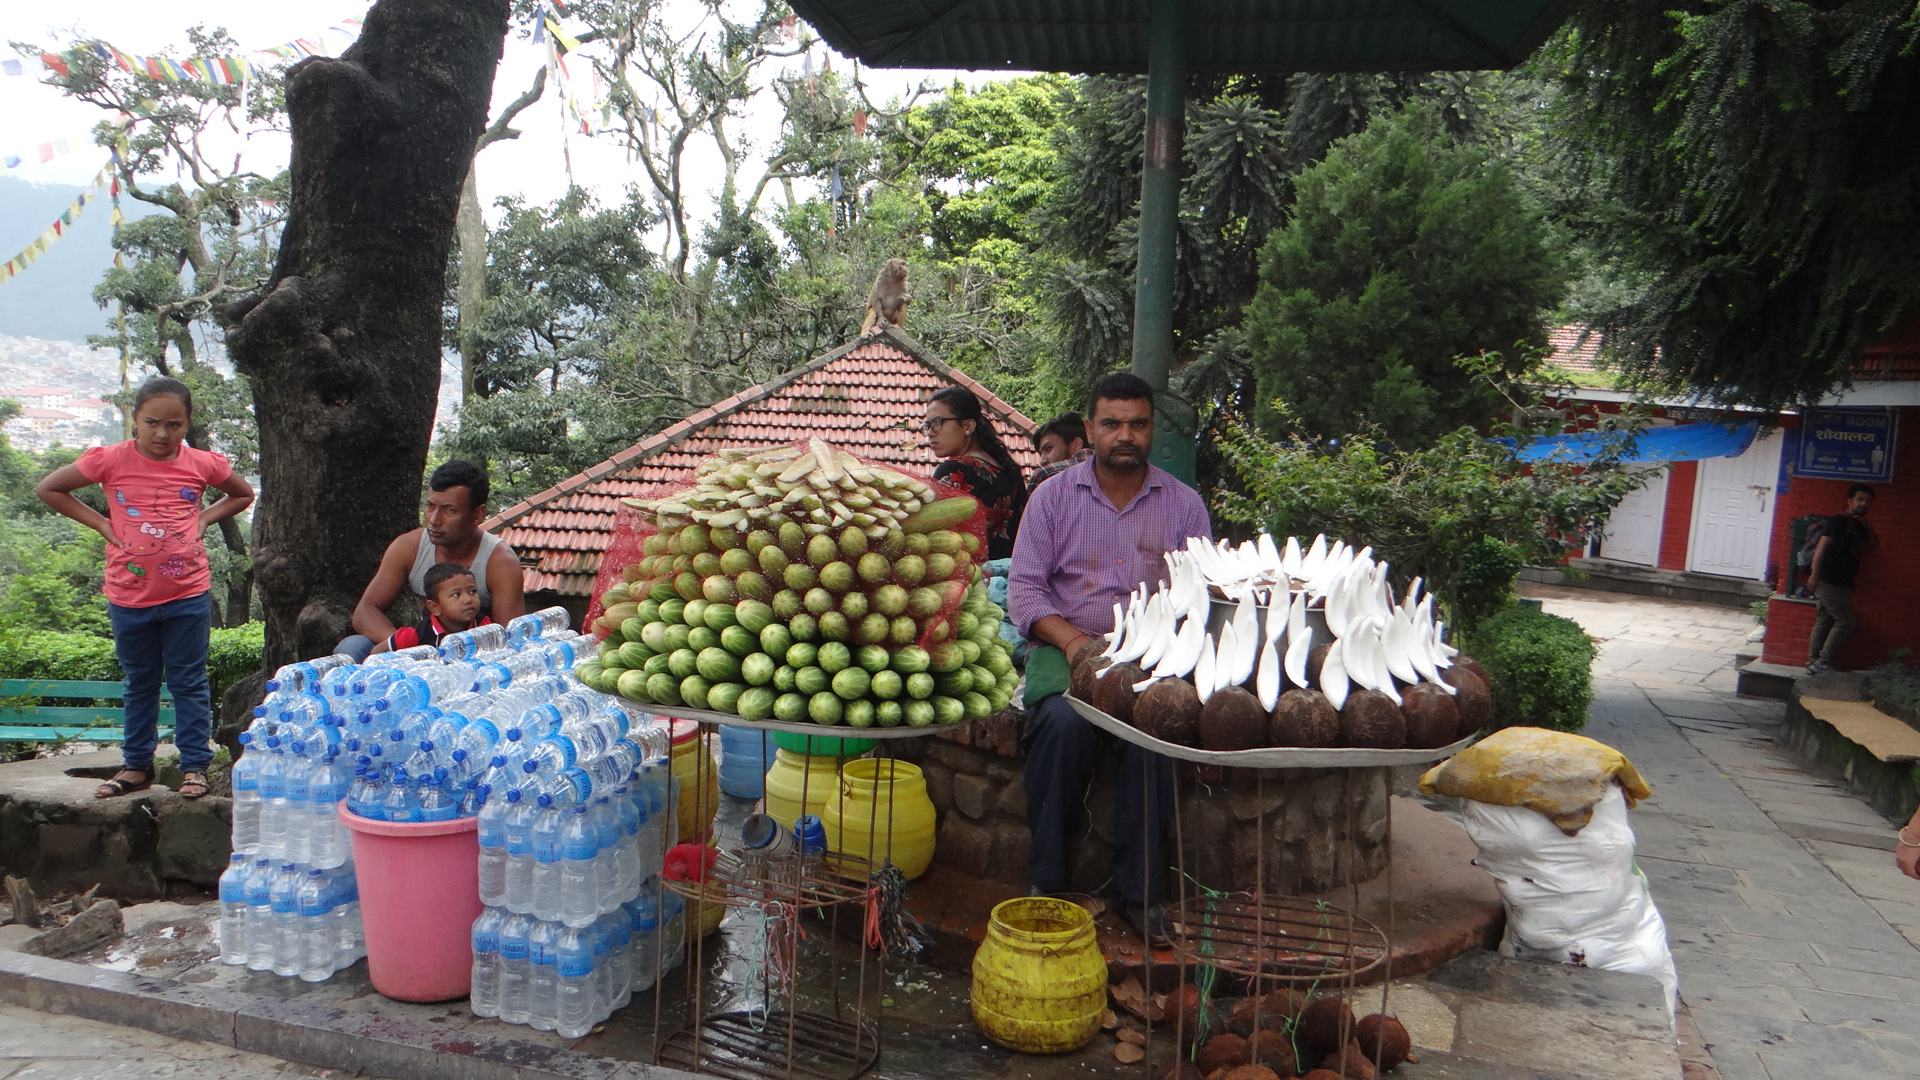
(1836, 561)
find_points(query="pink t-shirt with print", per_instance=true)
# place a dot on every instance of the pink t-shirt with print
(155, 510)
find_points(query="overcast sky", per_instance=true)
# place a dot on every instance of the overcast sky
(534, 167)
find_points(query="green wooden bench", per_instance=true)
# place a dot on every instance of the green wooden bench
(84, 723)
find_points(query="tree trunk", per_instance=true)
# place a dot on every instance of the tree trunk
(343, 345)
(240, 585)
(473, 281)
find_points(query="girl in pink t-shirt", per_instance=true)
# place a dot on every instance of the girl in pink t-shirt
(157, 575)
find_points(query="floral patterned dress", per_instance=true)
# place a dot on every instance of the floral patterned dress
(999, 490)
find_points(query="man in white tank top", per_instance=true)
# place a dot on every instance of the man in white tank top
(456, 505)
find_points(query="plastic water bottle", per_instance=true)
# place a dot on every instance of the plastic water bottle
(260, 927)
(284, 897)
(536, 624)
(620, 926)
(233, 910)
(522, 810)
(484, 998)
(673, 930)
(435, 804)
(468, 644)
(349, 937)
(492, 830)
(573, 993)
(246, 797)
(543, 979)
(327, 843)
(273, 800)
(364, 797)
(315, 898)
(402, 801)
(644, 916)
(547, 826)
(299, 808)
(580, 869)
(516, 969)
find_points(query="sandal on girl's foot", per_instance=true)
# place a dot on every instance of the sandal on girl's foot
(124, 782)
(192, 785)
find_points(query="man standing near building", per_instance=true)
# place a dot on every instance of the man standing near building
(1062, 443)
(1836, 560)
(1089, 538)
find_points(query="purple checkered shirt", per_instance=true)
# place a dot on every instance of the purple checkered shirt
(1076, 555)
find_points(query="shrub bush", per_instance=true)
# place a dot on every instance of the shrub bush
(1486, 579)
(232, 654)
(1542, 667)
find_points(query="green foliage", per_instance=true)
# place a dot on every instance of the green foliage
(1894, 687)
(1542, 667)
(233, 653)
(1405, 251)
(1428, 511)
(1488, 568)
(1755, 166)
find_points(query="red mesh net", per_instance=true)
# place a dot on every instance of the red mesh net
(835, 572)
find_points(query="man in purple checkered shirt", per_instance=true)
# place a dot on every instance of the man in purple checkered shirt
(1089, 537)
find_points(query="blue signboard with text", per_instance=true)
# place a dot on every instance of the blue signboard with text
(1847, 444)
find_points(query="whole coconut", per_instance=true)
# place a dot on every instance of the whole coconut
(1284, 1002)
(1113, 691)
(1432, 716)
(1476, 698)
(1371, 719)
(1183, 1006)
(1275, 1050)
(1223, 1052)
(1321, 1074)
(1475, 666)
(1350, 1063)
(1303, 718)
(1169, 710)
(1317, 659)
(1232, 719)
(1088, 649)
(1251, 1072)
(1383, 1038)
(1324, 1022)
(1085, 671)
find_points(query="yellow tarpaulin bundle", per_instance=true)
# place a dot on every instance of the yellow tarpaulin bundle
(1560, 775)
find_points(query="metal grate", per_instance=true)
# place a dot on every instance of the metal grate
(777, 1045)
(802, 881)
(1281, 939)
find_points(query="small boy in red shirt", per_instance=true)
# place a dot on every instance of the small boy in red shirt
(453, 602)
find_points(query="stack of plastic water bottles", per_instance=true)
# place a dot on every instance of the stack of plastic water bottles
(420, 735)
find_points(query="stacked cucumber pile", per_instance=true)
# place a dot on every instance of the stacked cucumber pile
(803, 584)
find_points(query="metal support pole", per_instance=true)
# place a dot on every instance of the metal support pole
(1174, 427)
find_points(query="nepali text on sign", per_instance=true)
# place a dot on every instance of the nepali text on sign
(1847, 444)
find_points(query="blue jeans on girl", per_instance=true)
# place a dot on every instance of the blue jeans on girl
(167, 639)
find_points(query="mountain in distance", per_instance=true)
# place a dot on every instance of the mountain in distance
(53, 298)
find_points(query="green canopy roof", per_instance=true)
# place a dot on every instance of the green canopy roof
(1111, 36)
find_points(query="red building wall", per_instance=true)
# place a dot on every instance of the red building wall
(1887, 592)
(1676, 525)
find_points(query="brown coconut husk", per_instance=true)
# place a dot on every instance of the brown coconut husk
(1476, 697)
(1232, 719)
(1113, 691)
(1223, 1052)
(1371, 719)
(1303, 718)
(1432, 716)
(1350, 1063)
(1169, 710)
(1383, 1039)
(1324, 1023)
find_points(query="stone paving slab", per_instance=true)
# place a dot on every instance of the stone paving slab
(1794, 935)
(47, 1046)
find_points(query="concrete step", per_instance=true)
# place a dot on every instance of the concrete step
(1771, 682)
(1606, 575)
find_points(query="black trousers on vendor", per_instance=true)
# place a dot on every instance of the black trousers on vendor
(1062, 750)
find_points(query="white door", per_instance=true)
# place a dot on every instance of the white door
(1633, 530)
(1733, 511)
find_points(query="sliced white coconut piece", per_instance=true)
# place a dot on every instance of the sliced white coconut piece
(1413, 594)
(1163, 631)
(1203, 669)
(1270, 557)
(1447, 652)
(1399, 645)
(1333, 676)
(1315, 558)
(1140, 633)
(1146, 682)
(1184, 650)
(1267, 677)
(1226, 652)
(1356, 648)
(1119, 630)
(1290, 557)
(1299, 646)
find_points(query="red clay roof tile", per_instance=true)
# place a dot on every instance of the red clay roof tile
(867, 398)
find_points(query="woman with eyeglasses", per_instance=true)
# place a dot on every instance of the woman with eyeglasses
(976, 460)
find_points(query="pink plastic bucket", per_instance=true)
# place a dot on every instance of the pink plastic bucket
(419, 894)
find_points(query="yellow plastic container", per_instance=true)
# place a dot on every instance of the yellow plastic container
(697, 778)
(792, 776)
(1039, 983)
(856, 819)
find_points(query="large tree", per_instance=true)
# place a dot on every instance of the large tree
(342, 345)
(1755, 166)
(1405, 250)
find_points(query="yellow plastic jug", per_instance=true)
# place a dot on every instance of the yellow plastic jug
(697, 778)
(857, 819)
(800, 784)
(1039, 983)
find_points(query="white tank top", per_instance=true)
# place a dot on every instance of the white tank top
(424, 559)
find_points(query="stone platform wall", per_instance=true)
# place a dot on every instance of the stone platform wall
(146, 846)
(1304, 830)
